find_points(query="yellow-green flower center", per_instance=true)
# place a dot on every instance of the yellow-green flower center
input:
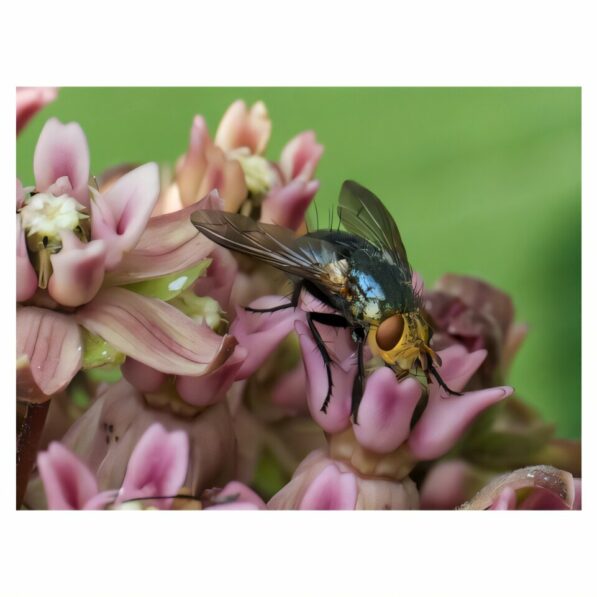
(260, 177)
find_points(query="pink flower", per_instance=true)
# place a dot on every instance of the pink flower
(156, 468)
(30, 100)
(77, 247)
(541, 487)
(234, 165)
(106, 434)
(236, 496)
(322, 483)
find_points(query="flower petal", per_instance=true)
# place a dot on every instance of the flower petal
(260, 333)
(447, 485)
(120, 215)
(68, 483)
(241, 498)
(157, 466)
(209, 389)
(498, 492)
(331, 490)
(220, 277)
(170, 243)
(78, 270)
(506, 500)
(155, 333)
(26, 276)
(52, 343)
(300, 156)
(30, 100)
(242, 127)
(386, 411)
(286, 206)
(62, 150)
(144, 378)
(337, 416)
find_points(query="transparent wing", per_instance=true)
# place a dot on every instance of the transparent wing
(363, 214)
(304, 257)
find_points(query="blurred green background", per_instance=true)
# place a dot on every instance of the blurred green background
(485, 182)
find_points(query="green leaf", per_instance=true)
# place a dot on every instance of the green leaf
(98, 353)
(168, 287)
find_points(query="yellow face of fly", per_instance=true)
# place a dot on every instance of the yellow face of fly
(403, 340)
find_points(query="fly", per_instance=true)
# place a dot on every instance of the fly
(362, 273)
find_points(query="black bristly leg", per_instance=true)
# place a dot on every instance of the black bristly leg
(331, 320)
(441, 382)
(293, 303)
(357, 386)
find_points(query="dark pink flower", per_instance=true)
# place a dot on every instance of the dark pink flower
(157, 468)
(30, 100)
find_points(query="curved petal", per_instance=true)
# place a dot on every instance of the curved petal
(337, 417)
(155, 333)
(237, 496)
(192, 166)
(300, 156)
(52, 343)
(286, 206)
(30, 100)
(157, 466)
(120, 215)
(20, 194)
(77, 270)
(498, 493)
(260, 333)
(68, 483)
(386, 411)
(170, 243)
(242, 127)
(331, 490)
(26, 276)
(218, 281)
(62, 150)
(447, 485)
(209, 389)
(506, 500)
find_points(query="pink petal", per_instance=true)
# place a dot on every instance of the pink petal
(244, 498)
(170, 243)
(120, 215)
(458, 366)
(300, 156)
(337, 417)
(52, 343)
(445, 420)
(290, 392)
(286, 206)
(542, 499)
(68, 483)
(192, 166)
(242, 127)
(26, 276)
(31, 100)
(155, 333)
(62, 151)
(157, 466)
(506, 500)
(211, 388)
(78, 270)
(331, 490)
(386, 411)
(144, 378)
(261, 333)
(218, 281)
(20, 194)
(446, 485)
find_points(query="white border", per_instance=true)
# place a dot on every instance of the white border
(303, 43)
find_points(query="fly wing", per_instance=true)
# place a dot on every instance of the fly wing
(303, 257)
(363, 214)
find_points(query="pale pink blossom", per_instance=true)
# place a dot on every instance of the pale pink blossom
(30, 100)
(156, 469)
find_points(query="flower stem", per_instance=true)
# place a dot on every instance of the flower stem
(27, 444)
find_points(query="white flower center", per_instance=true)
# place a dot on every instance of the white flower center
(47, 215)
(259, 174)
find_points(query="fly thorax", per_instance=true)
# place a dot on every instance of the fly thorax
(43, 218)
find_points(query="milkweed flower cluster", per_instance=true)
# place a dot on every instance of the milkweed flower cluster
(164, 392)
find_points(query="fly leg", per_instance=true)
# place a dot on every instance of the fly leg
(331, 320)
(357, 386)
(441, 382)
(293, 303)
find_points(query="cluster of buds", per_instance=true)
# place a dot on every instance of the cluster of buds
(167, 393)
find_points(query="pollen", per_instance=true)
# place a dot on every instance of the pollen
(260, 177)
(47, 215)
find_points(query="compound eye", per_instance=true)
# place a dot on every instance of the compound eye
(389, 332)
